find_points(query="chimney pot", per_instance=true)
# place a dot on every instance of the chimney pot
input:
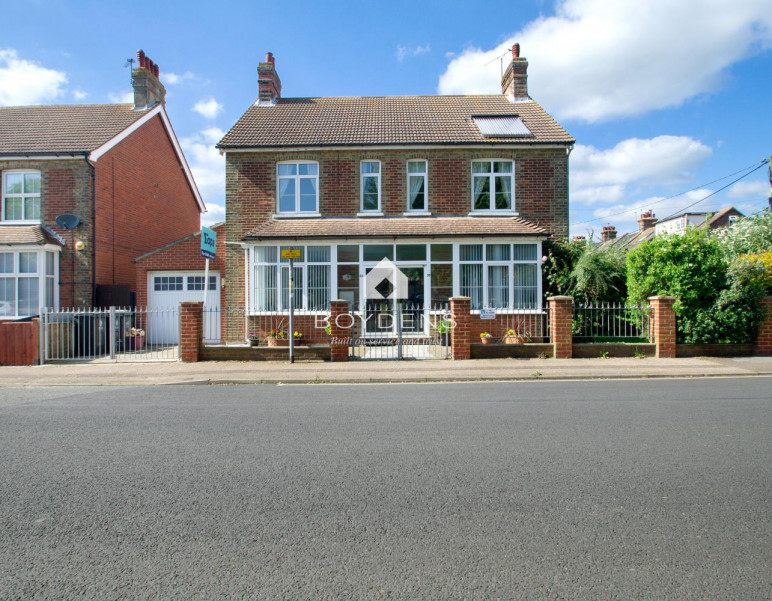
(647, 220)
(609, 232)
(148, 90)
(516, 50)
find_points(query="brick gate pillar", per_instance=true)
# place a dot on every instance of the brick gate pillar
(460, 337)
(341, 330)
(561, 328)
(191, 330)
(663, 325)
(764, 340)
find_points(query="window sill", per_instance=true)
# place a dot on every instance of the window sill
(21, 222)
(417, 214)
(494, 214)
(370, 214)
(296, 215)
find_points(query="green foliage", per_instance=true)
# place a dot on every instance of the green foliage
(600, 276)
(715, 302)
(562, 256)
(690, 267)
(764, 263)
(748, 235)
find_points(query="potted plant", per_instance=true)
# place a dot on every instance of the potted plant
(253, 339)
(514, 337)
(278, 338)
(298, 336)
(486, 338)
(136, 339)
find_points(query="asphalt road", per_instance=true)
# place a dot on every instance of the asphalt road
(581, 490)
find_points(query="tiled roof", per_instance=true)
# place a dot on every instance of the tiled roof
(62, 128)
(402, 227)
(383, 120)
(13, 235)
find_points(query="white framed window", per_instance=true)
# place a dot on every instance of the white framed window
(271, 278)
(493, 185)
(167, 283)
(21, 196)
(500, 276)
(27, 282)
(297, 187)
(417, 185)
(370, 186)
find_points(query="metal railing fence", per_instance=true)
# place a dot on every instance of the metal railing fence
(612, 322)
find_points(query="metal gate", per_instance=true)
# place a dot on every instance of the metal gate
(114, 334)
(386, 330)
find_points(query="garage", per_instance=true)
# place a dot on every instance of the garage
(166, 290)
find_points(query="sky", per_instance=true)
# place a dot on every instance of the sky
(669, 102)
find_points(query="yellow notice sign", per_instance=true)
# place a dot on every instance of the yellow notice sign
(292, 253)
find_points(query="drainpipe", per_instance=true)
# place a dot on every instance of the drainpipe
(93, 231)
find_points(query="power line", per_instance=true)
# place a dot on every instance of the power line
(753, 168)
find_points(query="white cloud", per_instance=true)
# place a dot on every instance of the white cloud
(26, 82)
(125, 97)
(602, 59)
(208, 168)
(79, 94)
(605, 175)
(759, 190)
(176, 78)
(209, 108)
(625, 216)
(404, 52)
(215, 213)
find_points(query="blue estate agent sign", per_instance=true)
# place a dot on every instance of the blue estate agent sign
(208, 242)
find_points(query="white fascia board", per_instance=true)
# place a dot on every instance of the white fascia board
(158, 110)
(488, 147)
(439, 239)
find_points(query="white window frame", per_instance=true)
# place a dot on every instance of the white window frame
(297, 179)
(40, 274)
(22, 196)
(492, 186)
(362, 177)
(425, 176)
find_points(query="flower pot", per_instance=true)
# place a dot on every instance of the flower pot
(514, 339)
(486, 340)
(254, 342)
(278, 342)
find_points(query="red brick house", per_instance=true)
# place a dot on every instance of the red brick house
(114, 175)
(459, 192)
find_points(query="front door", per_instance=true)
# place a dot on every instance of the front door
(383, 317)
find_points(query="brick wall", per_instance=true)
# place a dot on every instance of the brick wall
(764, 340)
(66, 188)
(663, 325)
(143, 202)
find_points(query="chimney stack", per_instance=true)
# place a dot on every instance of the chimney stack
(647, 220)
(514, 83)
(148, 89)
(609, 232)
(268, 82)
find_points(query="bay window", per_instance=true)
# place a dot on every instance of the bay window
(27, 282)
(271, 279)
(21, 196)
(493, 184)
(500, 276)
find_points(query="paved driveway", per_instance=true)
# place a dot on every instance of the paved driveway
(577, 490)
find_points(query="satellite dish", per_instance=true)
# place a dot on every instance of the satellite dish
(67, 221)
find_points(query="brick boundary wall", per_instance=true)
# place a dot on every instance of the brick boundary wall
(663, 326)
(191, 330)
(339, 333)
(764, 339)
(460, 335)
(561, 326)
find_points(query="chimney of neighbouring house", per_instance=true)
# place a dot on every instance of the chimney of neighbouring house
(514, 82)
(609, 232)
(647, 220)
(148, 89)
(269, 84)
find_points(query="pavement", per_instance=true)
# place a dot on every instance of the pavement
(366, 372)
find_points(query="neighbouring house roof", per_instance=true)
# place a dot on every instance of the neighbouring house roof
(62, 128)
(17, 235)
(402, 227)
(391, 120)
(627, 241)
(79, 129)
(719, 215)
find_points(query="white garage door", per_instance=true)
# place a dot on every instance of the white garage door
(166, 290)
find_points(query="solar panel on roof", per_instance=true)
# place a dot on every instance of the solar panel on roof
(502, 127)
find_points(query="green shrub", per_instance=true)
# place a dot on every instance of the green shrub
(600, 276)
(748, 235)
(562, 256)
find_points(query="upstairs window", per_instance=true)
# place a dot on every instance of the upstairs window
(416, 186)
(21, 196)
(298, 187)
(493, 184)
(370, 187)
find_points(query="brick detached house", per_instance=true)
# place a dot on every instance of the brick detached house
(118, 176)
(459, 192)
